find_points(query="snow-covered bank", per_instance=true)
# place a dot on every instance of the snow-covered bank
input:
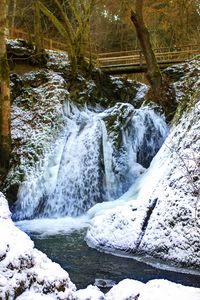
(165, 220)
(24, 268)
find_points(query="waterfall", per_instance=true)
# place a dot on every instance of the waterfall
(80, 177)
(91, 162)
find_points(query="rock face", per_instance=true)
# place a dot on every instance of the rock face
(24, 268)
(36, 119)
(40, 100)
(119, 137)
(176, 216)
(164, 222)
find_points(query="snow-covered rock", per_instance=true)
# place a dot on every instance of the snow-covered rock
(37, 119)
(157, 289)
(173, 230)
(164, 222)
(126, 289)
(90, 293)
(25, 269)
(123, 227)
(33, 296)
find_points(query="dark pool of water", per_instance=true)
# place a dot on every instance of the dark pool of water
(85, 264)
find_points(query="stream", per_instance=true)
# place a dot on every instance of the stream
(85, 264)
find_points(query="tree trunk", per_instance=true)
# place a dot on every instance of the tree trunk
(5, 138)
(40, 56)
(153, 72)
(13, 13)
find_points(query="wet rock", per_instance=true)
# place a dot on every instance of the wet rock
(104, 283)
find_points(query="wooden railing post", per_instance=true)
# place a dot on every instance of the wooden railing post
(97, 60)
(140, 58)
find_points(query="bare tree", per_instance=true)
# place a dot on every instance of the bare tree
(5, 139)
(75, 29)
(13, 13)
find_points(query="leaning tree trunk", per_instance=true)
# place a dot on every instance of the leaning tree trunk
(5, 139)
(153, 72)
(40, 55)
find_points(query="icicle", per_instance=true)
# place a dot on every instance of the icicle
(107, 158)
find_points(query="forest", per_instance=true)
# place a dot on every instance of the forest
(170, 23)
(99, 149)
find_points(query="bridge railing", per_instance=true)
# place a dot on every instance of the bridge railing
(137, 57)
(156, 50)
(131, 57)
(47, 43)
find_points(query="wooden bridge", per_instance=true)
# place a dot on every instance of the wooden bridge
(127, 62)
(124, 62)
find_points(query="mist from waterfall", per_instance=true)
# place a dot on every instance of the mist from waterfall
(97, 158)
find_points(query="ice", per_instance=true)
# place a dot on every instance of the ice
(45, 227)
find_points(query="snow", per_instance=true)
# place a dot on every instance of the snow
(164, 221)
(168, 183)
(57, 60)
(117, 81)
(129, 289)
(188, 82)
(126, 289)
(142, 91)
(122, 223)
(47, 227)
(33, 296)
(166, 290)
(90, 293)
(153, 290)
(36, 122)
(24, 268)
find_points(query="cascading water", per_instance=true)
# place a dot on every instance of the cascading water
(80, 178)
(96, 159)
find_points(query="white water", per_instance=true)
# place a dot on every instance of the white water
(79, 177)
(86, 168)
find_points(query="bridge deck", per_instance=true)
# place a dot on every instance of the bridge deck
(134, 61)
